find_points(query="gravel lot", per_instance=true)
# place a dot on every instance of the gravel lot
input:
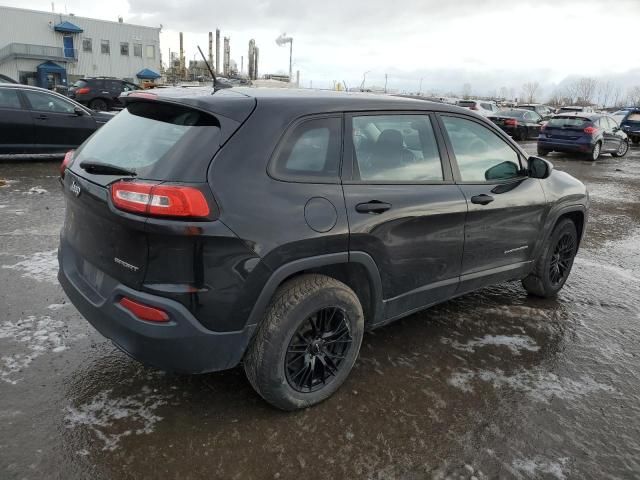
(491, 385)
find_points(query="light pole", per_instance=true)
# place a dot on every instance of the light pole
(364, 77)
(420, 88)
(281, 41)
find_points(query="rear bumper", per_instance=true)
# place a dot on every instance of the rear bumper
(560, 145)
(180, 345)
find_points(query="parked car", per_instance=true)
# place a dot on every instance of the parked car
(574, 108)
(519, 123)
(630, 125)
(203, 230)
(100, 93)
(544, 111)
(588, 133)
(36, 120)
(5, 79)
(482, 107)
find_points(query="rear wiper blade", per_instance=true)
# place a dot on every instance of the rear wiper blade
(100, 168)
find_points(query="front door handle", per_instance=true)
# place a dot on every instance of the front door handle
(483, 199)
(374, 206)
(42, 117)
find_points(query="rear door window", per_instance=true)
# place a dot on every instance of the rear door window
(481, 154)
(45, 102)
(9, 98)
(310, 152)
(158, 141)
(395, 148)
(634, 117)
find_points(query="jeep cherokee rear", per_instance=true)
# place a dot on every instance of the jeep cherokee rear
(274, 227)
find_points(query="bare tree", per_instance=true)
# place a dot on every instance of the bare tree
(586, 89)
(529, 91)
(504, 93)
(556, 100)
(617, 96)
(571, 93)
(466, 91)
(633, 96)
(604, 93)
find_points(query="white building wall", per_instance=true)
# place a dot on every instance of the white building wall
(35, 27)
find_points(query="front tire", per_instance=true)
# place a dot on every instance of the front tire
(99, 105)
(307, 343)
(554, 264)
(542, 152)
(595, 152)
(622, 149)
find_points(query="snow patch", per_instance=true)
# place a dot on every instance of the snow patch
(541, 386)
(39, 335)
(41, 266)
(57, 306)
(36, 191)
(515, 343)
(538, 465)
(112, 419)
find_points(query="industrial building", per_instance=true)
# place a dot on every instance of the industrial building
(49, 49)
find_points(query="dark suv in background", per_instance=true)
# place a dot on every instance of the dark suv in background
(100, 93)
(274, 227)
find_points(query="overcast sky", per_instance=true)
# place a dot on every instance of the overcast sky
(488, 43)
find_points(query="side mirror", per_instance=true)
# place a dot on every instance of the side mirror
(539, 168)
(78, 111)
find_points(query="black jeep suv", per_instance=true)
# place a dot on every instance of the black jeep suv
(100, 93)
(274, 227)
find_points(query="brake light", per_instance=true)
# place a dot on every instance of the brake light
(150, 96)
(68, 157)
(159, 200)
(590, 130)
(144, 312)
(511, 121)
(473, 108)
(83, 90)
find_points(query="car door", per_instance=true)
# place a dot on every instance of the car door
(16, 124)
(533, 122)
(403, 207)
(506, 208)
(57, 126)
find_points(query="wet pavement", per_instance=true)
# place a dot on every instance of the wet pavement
(491, 385)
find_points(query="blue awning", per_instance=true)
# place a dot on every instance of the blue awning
(51, 67)
(67, 27)
(147, 74)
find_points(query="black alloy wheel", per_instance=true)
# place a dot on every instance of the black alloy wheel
(317, 350)
(562, 259)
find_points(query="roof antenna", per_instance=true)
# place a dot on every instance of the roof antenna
(213, 75)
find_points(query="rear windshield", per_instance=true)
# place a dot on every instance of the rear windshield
(570, 109)
(567, 122)
(633, 117)
(464, 103)
(80, 84)
(157, 141)
(511, 113)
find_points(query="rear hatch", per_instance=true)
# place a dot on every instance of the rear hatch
(567, 127)
(632, 122)
(151, 143)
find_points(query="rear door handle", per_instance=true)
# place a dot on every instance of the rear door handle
(374, 206)
(483, 199)
(42, 117)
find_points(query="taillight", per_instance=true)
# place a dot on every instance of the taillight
(511, 121)
(83, 90)
(68, 157)
(590, 130)
(159, 200)
(144, 312)
(147, 95)
(473, 108)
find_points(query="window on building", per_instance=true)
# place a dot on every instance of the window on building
(104, 47)
(124, 48)
(151, 51)
(137, 49)
(87, 45)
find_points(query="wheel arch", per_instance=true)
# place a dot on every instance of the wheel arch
(357, 270)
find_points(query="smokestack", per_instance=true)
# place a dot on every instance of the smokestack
(217, 50)
(251, 59)
(298, 78)
(182, 66)
(255, 65)
(210, 48)
(227, 57)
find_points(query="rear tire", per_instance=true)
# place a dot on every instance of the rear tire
(542, 152)
(635, 140)
(524, 134)
(622, 150)
(553, 266)
(291, 363)
(99, 105)
(595, 152)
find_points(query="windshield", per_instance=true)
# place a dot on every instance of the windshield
(512, 113)
(634, 117)
(157, 141)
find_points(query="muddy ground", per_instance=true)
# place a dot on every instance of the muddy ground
(491, 385)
